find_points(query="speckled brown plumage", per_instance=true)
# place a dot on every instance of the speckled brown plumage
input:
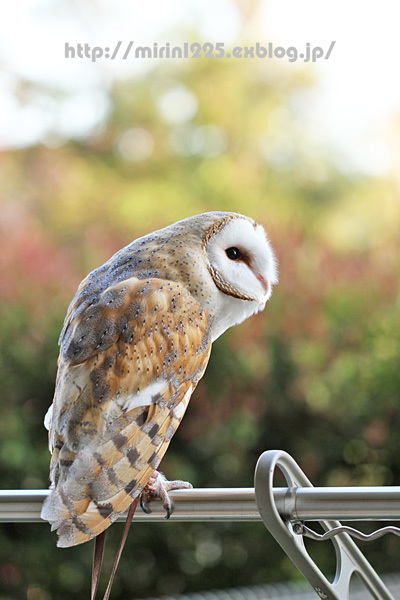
(136, 340)
(136, 335)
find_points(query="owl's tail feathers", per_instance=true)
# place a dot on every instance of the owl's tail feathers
(79, 521)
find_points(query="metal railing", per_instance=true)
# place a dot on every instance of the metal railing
(283, 511)
(239, 504)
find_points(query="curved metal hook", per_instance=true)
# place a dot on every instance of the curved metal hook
(349, 559)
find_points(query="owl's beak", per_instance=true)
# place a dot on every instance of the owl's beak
(263, 282)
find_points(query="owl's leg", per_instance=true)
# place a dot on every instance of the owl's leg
(158, 487)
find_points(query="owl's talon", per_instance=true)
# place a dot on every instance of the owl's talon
(144, 505)
(158, 487)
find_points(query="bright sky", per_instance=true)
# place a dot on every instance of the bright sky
(357, 92)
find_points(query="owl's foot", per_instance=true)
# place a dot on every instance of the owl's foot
(158, 487)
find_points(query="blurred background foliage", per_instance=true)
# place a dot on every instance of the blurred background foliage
(316, 375)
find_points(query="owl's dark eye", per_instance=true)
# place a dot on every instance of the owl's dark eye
(233, 253)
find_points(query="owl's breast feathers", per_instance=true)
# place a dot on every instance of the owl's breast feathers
(130, 359)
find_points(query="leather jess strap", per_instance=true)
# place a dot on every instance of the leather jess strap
(99, 552)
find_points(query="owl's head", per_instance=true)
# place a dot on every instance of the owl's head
(240, 258)
(242, 266)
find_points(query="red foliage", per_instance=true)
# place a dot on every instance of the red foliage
(33, 270)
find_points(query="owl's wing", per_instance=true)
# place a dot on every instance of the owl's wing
(128, 365)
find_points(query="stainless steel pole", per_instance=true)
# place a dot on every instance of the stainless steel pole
(238, 504)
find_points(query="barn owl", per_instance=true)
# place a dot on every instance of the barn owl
(136, 340)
